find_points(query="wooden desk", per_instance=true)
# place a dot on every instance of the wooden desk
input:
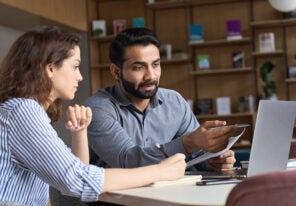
(186, 194)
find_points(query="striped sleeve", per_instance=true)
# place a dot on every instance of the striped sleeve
(36, 146)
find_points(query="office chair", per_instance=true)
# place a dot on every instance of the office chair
(272, 189)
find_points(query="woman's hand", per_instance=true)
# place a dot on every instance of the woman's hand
(79, 117)
(173, 167)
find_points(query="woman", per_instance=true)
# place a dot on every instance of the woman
(40, 70)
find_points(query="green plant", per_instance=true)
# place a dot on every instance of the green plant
(269, 87)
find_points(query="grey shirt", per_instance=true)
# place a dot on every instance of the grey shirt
(122, 136)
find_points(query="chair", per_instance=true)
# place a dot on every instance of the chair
(275, 189)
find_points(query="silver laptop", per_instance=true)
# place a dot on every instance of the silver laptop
(272, 136)
(271, 141)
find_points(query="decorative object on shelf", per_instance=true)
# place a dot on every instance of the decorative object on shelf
(266, 42)
(246, 104)
(223, 105)
(138, 22)
(238, 59)
(269, 87)
(196, 33)
(203, 106)
(99, 28)
(292, 71)
(283, 5)
(234, 29)
(118, 25)
(165, 51)
(203, 61)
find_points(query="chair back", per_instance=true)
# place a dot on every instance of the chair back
(276, 189)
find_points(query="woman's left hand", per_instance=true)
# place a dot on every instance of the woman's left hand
(79, 117)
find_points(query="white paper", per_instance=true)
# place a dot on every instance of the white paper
(209, 155)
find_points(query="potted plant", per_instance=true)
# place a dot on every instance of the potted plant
(269, 87)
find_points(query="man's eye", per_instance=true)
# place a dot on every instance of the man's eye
(138, 67)
(76, 67)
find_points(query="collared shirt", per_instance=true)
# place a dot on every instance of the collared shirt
(122, 136)
(32, 157)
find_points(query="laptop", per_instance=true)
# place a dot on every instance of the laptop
(271, 141)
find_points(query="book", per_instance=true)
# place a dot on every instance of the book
(238, 59)
(266, 42)
(99, 28)
(233, 29)
(223, 105)
(203, 61)
(185, 179)
(196, 33)
(203, 106)
(119, 25)
(138, 22)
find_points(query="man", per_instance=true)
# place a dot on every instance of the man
(133, 116)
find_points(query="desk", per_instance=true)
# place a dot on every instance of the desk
(186, 194)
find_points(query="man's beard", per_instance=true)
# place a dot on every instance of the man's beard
(130, 88)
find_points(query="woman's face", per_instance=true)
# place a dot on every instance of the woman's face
(66, 78)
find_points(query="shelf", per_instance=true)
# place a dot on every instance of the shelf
(244, 114)
(107, 38)
(180, 4)
(275, 53)
(221, 42)
(290, 80)
(273, 23)
(221, 71)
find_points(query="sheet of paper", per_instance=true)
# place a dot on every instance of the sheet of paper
(209, 155)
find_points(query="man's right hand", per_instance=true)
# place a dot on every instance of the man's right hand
(209, 140)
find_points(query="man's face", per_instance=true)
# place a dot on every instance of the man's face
(141, 71)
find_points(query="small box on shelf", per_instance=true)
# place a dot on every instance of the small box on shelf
(266, 42)
(234, 29)
(238, 59)
(223, 105)
(138, 22)
(165, 51)
(99, 28)
(203, 106)
(196, 33)
(203, 61)
(119, 25)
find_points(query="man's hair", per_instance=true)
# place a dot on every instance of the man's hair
(23, 70)
(130, 37)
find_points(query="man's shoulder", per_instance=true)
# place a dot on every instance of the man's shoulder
(101, 97)
(167, 94)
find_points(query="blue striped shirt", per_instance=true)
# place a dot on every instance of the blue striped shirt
(32, 157)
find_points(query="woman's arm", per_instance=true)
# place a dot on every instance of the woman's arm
(169, 169)
(79, 118)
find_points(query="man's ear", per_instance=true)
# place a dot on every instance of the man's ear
(49, 70)
(115, 71)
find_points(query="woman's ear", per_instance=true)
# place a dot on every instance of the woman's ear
(115, 71)
(49, 70)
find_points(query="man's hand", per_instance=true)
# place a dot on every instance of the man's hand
(210, 140)
(224, 162)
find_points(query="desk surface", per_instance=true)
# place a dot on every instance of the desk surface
(186, 194)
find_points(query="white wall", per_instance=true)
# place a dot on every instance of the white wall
(7, 37)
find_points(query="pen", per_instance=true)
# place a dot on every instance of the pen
(217, 182)
(160, 148)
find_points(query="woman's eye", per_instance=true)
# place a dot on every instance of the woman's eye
(76, 67)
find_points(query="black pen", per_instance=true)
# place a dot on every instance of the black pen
(160, 148)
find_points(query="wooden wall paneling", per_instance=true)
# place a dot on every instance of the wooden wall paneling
(262, 10)
(62, 11)
(214, 17)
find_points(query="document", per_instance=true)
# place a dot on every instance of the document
(209, 155)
